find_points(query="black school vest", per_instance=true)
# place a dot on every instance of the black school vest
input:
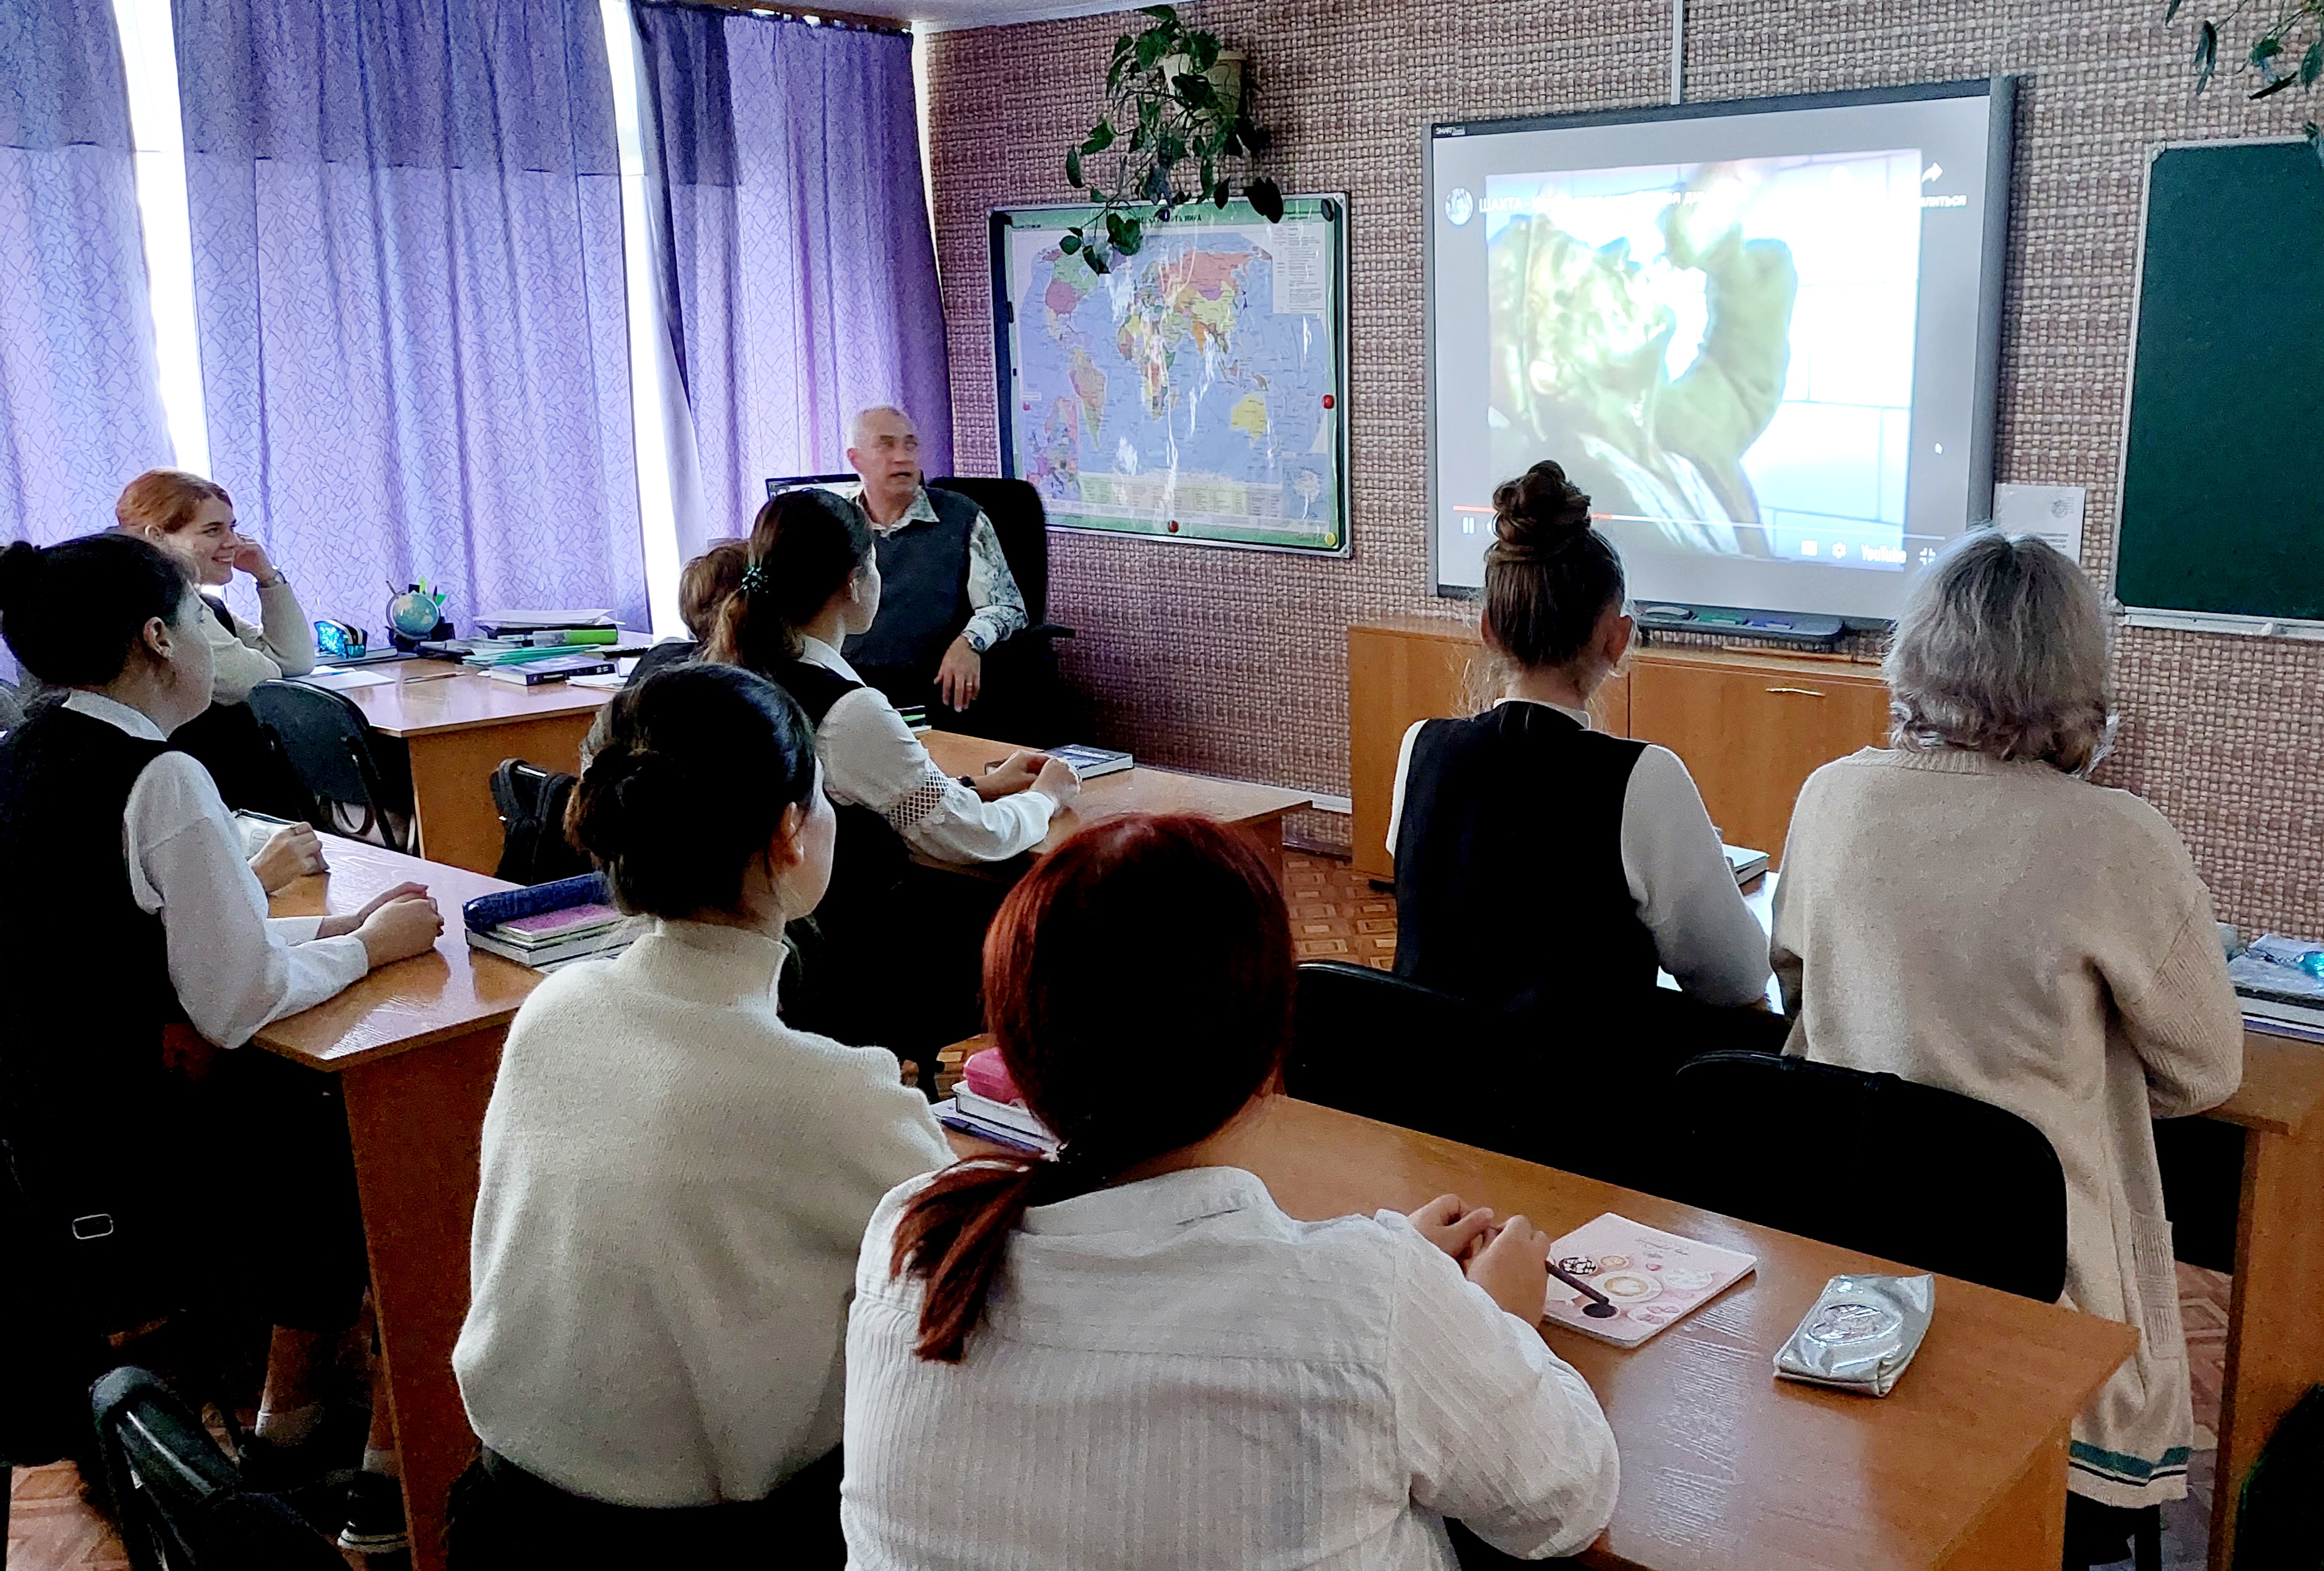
(1510, 888)
(90, 1117)
(923, 600)
(868, 856)
(245, 761)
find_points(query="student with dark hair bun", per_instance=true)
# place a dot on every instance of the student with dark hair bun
(126, 904)
(1128, 1356)
(675, 1180)
(1538, 862)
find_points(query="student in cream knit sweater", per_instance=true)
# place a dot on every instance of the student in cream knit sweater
(674, 1182)
(1963, 910)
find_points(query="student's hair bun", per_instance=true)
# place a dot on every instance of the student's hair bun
(700, 764)
(1540, 514)
(71, 613)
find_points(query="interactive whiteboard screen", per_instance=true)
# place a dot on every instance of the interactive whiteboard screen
(1761, 336)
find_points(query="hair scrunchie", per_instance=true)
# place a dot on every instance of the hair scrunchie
(756, 577)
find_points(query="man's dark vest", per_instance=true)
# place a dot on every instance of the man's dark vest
(923, 601)
(95, 1125)
(1509, 887)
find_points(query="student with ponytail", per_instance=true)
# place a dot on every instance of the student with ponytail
(1128, 1356)
(895, 963)
(1540, 863)
(675, 1180)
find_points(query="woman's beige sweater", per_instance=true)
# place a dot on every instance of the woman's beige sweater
(2043, 945)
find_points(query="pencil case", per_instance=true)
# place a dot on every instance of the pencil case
(1860, 1334)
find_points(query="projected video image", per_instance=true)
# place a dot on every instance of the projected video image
(1720, 354)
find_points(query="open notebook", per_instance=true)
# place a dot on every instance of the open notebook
(1636, 1279)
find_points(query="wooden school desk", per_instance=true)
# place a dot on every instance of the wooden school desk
(1256, 809)
(2275, 1303)
(1724, 1468)
(415, 1045)
(459, 724)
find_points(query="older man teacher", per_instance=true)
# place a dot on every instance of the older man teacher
(946, 593)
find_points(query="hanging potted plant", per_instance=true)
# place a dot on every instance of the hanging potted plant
(1176, 130)
(2287, 53)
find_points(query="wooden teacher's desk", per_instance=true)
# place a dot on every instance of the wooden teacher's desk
(1724, 1468)
(458, 725)
(1256, 809)
(415, 1045)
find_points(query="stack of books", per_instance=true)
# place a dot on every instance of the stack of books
(1089, 762)
(549, 926)
(1003, 1123)
(525, 670)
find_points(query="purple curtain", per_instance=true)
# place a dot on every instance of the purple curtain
(408, 275)
(798, 273)
(80, 395)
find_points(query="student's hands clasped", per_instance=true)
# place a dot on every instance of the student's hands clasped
(1509, 1261)
(290, 852)
(1030, 771)
(398, 923)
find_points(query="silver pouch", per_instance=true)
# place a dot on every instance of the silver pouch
(1860, 1334)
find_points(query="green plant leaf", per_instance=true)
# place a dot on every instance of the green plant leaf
(1101, 137)
(1168, 15)
(1219, 195)
(2206, 54)
(1202, 47)
(1153, 46)
(1210, 176)
(2265, 48)
(2312, 64)
(2276, 87)
(1096, 257)
(1265, 197)
(1071, 243)
(1193, 91)
(1125, 43)
(2171, 11)
(1073, 166)
(1133, 236)
(1169, 149)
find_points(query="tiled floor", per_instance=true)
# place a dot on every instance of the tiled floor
(1335, 914)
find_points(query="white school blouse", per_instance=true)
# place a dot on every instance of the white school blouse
(1174, 1373)
(234, 967)
(1705, 937)
(871, 758)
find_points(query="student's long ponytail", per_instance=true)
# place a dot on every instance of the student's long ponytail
(805, 544)
(1138, 982)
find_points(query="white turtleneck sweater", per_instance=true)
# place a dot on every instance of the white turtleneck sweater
(675, 1184)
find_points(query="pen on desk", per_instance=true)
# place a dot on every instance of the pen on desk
(1600, 1307)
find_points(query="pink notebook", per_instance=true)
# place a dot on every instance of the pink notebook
(1643, 1279)
(551, 924)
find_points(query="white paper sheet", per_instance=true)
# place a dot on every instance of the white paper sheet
(2052, 512)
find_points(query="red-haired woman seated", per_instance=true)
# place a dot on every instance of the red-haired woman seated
(1130, 1355)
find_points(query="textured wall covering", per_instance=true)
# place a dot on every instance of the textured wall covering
(1234, 663)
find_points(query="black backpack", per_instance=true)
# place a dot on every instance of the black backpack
(2276, 1524)
(531, 801)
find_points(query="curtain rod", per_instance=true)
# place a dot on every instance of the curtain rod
(854, 19)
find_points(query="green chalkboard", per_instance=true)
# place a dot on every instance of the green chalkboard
(2223, 464)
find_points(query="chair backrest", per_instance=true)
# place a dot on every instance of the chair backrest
(1928, 1178)
(1368, 1042)
(326, 738)
(531, 803)
(181, 1502)
(1022, 526)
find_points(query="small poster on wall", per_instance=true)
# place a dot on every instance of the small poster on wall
(1197, 390)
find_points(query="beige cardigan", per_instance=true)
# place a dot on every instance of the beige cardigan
(2020, 936)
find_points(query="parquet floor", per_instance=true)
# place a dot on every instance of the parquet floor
(1335, 914)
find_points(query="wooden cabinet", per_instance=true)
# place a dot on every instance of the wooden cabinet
(1753, 728)
(1751, 725)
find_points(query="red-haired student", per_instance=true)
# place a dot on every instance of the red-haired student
(1128, 1356)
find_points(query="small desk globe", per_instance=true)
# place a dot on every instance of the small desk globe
(413, 614)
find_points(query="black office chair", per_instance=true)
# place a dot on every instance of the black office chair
(1929, 1178)
(1031, 703)
(181, 1501)
(1369, 1043)
(329, 744)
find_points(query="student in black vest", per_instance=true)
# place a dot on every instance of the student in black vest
(1540, 863)
(145, 949)
(903, 943)
(192, 521)
(947, 595)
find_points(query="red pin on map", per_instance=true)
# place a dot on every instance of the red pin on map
(1329, 402)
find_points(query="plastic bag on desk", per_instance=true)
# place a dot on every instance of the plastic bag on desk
(1860, 1334)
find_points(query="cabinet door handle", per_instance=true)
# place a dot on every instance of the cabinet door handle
(1803, 691)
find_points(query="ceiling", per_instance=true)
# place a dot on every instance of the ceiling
(943, 15)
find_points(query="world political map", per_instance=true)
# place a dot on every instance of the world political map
(1192, 391)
